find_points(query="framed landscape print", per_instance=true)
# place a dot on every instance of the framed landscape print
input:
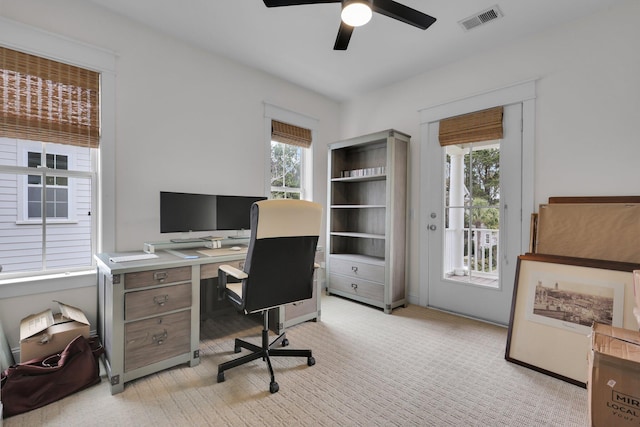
(556, 300)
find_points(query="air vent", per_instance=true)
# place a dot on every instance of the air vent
(481, 18)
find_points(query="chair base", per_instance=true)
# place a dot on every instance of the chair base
(265, 352)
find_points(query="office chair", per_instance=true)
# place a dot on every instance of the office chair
(278, 270)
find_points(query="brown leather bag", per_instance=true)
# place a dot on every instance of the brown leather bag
(38, 382)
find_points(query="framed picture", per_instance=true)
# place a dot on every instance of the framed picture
(556, 299)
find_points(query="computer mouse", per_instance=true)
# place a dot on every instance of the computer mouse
(235, 248)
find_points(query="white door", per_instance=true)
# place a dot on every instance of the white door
(474, 226)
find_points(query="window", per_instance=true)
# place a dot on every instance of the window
(287, 162)
(49, 136)
(290, 154)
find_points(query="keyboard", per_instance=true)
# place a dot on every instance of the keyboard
(134, 257)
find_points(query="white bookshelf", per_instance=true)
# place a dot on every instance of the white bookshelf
(367, 197)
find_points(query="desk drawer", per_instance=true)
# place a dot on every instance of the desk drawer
(356, 286)
(357, 269)
(156, 301)
(141, 279)
(153, 340)
(208, 271)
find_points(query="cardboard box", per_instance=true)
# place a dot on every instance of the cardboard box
(614, 377)
(44, 333)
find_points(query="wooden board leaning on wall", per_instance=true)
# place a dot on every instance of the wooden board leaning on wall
(605, 228)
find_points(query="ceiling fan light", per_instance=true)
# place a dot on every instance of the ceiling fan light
(356, 13)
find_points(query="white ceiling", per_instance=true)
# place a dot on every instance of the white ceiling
(296, 42)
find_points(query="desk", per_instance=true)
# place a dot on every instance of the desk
(149, 310)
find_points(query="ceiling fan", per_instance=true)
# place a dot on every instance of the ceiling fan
(358, 12)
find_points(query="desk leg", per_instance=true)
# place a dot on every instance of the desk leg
(195, 316)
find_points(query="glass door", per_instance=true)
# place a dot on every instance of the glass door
(474, 222)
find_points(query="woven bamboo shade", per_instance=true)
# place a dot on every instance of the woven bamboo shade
(290, 134)
(484, 125)
(48, 101)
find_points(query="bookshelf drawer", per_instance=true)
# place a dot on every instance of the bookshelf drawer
(356, 269)
(356, 286)
(155, 301)
(153, 340)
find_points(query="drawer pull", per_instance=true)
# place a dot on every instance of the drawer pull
(160, 276)
(161, 299)
(159, 339)
(354, 269)
(354, 286)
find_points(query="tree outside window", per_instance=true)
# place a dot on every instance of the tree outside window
(286, 171)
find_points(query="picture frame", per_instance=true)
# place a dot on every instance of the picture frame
(555, 300)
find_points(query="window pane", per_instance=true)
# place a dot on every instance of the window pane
(51, 194)
(20, 244)
(69, 243)
(472, 211)
(68, 234)
(291, 164)
(34, 205)
(286, 171)
(61, 210)
(33, 160)
(35, 209)
(51, 210)
(61, 180)
(277, 151)
(35, 179)
(61, 162)
(61, 194)
(51, 161)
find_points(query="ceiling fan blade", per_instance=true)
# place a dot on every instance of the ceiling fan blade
(276, 3)
(403, 13)
(344, 35)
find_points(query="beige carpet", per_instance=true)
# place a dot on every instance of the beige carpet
(416, 367)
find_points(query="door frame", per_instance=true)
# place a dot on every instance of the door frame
(523, 92)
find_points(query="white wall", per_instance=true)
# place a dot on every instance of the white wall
(587, 107)
(186, 120)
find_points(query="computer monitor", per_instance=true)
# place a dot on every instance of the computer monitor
(187, 212)
(234, 212)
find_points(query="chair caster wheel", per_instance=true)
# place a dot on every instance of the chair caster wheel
(311, 361)
(285, 342)
(220, 377)
(274, 387)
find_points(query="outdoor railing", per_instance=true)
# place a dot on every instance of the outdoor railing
(481, 251)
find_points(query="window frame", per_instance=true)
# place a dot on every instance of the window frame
(273, 112)
(18, 36)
